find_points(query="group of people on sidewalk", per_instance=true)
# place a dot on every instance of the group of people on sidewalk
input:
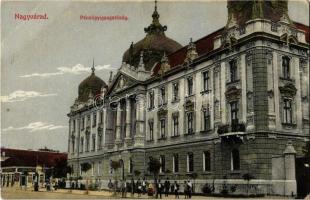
(157, 188)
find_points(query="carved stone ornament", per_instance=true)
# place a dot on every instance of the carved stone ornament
(191, 52)
(232, 93)
(288, 90)
(164, 66)
(189, 105)
(162, 112)
(270, 93)
(249, 94)
(121, 82)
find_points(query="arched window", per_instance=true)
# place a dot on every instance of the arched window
(235, 159)
(206, 161)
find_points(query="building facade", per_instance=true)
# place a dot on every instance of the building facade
(232, 104)
(19, 167)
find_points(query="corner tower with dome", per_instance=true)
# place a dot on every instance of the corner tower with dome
(229, 111)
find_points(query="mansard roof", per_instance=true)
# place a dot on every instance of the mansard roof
(206, 44)
(203, 46)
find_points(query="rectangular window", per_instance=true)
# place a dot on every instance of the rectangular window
(175, 163)
(99, 141)
(73, 145)
(162, 164)
(287, 111)
(175, 125)
(151, 98)
(234, 115)
(82, 144)
(163, 96)
(206, 119)
(94, 119)
(73, 125)
(101, 117)
(190, 122)
(87, 143)
(130, 166)
(189, 86)
(233, 70)
(235, 160)
(93, 142)
(88, 121)
(190, 162)
(205, 81)
(286, 67)
(206, 161)
(83, 123)
(162, 128)
(175, 91)
(151, 127)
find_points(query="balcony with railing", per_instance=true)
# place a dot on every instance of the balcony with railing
(232, 132)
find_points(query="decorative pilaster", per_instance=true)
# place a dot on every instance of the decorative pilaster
(118, 124)
(128, 121)
(140, 130)
(289, 167)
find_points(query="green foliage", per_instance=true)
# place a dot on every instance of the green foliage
(136, 173)
(85, 167)
(193, 175)
(154, 166)
(306, 150)
(61, 168)
(115, 164)
(247, 177)
(207, 189)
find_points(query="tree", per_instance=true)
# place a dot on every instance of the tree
(154, 166)
(247, 177)
(306, 151)
(85, 167)
(115, 165)
(137, 173)
(61, 168)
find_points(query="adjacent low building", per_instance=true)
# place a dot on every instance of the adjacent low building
(19, 166)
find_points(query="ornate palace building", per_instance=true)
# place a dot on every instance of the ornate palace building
(230, 105)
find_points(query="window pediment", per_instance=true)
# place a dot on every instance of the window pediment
(233, 93)
(288, 90)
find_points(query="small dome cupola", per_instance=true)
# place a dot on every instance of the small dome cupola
(91, 85)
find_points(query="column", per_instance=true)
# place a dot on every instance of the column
(118, 123)
(128, 120)
(139, 137)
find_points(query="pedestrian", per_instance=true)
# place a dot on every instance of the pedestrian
(185, 190)
(124, 188)
(167, 187)
(190, 189)
(160, 188)
(143, 186)
(139, 187)
(132, 187)
(176, 189)
(110, 184)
